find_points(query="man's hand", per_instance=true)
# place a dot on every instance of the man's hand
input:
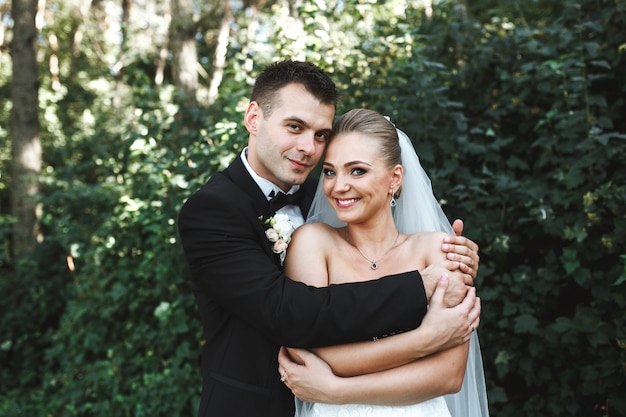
(458, 282)
(451, 326)
(461, 249)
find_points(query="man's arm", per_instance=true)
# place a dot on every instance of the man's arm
(223, 242)
(441, 329)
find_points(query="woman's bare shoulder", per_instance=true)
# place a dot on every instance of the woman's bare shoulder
(427, 237)
(315, 235)
(315, 230)
(308, 253)
(426, 243)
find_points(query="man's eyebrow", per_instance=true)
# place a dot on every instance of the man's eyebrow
(295, 119)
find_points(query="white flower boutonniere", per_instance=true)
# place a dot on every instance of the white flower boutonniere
(279, 233)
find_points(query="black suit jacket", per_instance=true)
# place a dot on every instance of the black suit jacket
(248, 308)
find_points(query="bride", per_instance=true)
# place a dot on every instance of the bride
(365, 222)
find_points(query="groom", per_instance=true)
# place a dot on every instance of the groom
(248, 308)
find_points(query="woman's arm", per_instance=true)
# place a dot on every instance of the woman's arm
(306, 255)
(439, 374)
(311, 379)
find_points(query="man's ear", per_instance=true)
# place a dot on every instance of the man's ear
(251, 117)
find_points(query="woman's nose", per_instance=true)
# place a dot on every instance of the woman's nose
(342, 183)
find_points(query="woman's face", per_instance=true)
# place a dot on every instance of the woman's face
(357, 182)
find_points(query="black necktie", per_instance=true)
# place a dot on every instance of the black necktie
(281, 200)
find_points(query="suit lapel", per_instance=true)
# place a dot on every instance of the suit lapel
(257, 202)
(240, 176)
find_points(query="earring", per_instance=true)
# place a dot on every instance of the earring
(393, 201)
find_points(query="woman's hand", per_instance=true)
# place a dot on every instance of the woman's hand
(307, 376)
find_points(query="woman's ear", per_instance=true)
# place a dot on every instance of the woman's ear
(250, 118)
(397, 173)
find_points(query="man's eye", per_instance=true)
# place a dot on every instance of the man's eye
(323, 135)
(294, 127)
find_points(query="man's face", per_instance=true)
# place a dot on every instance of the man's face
(285, 147)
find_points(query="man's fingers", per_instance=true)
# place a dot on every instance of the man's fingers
(470, 246)
(467, 259)
(457, 227)
(467, 275)
(468, 270)
(454, 245)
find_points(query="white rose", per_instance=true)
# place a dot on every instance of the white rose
(279, 218)
(283, 226)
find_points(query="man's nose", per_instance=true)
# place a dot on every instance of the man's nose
(306, 143)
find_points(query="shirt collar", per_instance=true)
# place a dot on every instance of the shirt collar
(267, 187)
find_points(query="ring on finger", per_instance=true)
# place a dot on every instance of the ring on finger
(282, 377)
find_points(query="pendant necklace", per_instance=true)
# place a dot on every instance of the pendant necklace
(373, 263)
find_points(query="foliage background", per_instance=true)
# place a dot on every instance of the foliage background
(517, 112)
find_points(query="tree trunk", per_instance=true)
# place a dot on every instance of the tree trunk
(220, 54)
(184, 53)
(25, 130)
(160, 68)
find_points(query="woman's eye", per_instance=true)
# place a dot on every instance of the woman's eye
(328, 172)
(358, 171)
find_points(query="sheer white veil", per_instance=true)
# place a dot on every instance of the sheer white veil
(417, 210)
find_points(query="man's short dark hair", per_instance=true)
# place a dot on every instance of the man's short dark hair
(282, 73)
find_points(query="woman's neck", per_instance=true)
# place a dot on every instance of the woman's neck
(373, 240)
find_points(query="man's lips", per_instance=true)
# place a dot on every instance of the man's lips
(301, 165)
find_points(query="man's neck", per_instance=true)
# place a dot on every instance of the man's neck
(266, 186)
